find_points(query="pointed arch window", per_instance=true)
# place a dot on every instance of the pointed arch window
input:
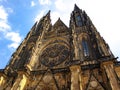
(78, 20)
(85, 48)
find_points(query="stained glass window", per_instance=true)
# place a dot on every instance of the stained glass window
(85, 48)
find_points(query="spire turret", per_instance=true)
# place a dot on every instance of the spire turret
(59, 22)
(48, 14)
(59, 27)
(76, 8)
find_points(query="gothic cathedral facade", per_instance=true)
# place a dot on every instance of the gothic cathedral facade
(57, 57)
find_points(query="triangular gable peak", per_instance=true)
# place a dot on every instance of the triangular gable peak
(76, 8)
(94, 84)
(60, 27)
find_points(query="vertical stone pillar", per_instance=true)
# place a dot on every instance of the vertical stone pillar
(2, 81)
(76, 47)
(75, 83)
(23, 82)
(20, 83)
(80, 79)
(108, 66)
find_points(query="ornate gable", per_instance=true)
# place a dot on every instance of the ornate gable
(58, 29)
(47, 81)
(94, 84)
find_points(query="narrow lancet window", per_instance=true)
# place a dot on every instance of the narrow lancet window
(78, 21)
(85, 48)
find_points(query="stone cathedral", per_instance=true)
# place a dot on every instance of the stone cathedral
(57, 57)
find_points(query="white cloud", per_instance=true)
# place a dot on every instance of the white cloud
(32, 3)
(13, 45)
(64, 5)
(45, 2)
(54, 16)
(5, 28)
(15, 38)
(3, 13)
(60, 5)
(39, 15)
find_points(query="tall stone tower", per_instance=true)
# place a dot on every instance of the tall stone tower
(57, 57)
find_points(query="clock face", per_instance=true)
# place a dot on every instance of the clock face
(54, 54)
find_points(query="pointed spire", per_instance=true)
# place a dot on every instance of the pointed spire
(48, 14)
(76, 8)
(59, 19)
(59, 22)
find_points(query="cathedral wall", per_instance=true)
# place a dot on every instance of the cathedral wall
(42, 46)
(117, 70)
(2, 82)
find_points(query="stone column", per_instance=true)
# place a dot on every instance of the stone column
(75, 83)
(20, 83)
(80, 79)
(2, 81)
(108, 66)
(76, 47)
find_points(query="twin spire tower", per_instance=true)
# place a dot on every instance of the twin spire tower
(57, 57)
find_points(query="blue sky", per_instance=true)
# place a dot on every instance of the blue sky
(18, 16)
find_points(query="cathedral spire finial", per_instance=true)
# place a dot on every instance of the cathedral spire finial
(59, 19)
(45, 16)
(59, 22)
(76, 7)
(48, 14)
